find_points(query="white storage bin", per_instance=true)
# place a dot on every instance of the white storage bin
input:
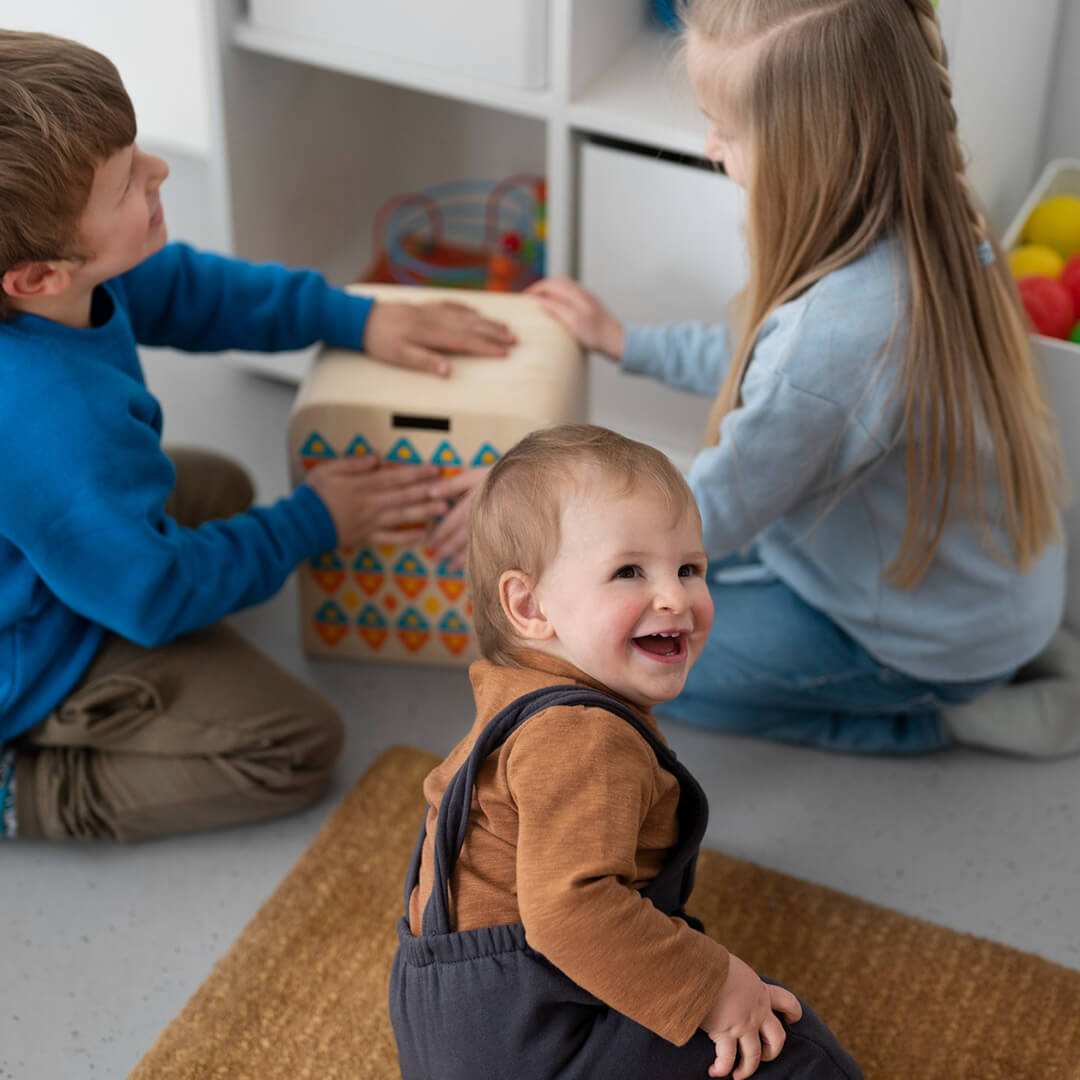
(1061, 364)
(660, 242)
(499, 41)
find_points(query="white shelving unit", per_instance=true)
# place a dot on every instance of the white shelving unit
(317, 132)
(290, 102)
(314, 133)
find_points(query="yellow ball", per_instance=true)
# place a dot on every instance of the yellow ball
(1055, 223)
(1035, 259)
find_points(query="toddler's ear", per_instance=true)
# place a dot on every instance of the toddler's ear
(521, 607)
(28, 280)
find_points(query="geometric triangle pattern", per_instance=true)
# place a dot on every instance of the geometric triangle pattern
(391, 602)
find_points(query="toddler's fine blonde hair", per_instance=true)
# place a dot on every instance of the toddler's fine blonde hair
(63, 111)
(517, 512)
(852, 135)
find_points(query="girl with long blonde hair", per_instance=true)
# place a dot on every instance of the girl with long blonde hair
(882, 480)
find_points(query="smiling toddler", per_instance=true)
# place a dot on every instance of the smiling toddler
(545, 934)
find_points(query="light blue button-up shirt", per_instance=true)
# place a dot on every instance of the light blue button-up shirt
(811, 469)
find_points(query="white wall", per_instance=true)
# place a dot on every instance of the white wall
(1002, 108)
(1063, 120)
(159, 47)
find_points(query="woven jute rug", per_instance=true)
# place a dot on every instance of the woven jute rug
(302, 992)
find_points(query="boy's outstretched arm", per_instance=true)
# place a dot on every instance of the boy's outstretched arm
(202, 302)
(373, 505)
(97, 536)
(422, 336)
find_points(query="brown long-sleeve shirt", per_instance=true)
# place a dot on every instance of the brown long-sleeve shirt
(571, 816)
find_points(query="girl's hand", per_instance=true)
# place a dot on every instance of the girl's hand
(450, 537)
(419, 335)
(743, 1021)
(582, 314)
(370, 504)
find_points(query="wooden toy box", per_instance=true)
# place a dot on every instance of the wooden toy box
(395, 603)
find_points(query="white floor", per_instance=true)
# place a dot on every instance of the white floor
(103, 945)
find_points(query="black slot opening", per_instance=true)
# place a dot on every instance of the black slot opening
(424, 423)
(655, 153)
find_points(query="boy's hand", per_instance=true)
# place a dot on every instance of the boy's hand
(582, 314)
(743, 1021)
(369, 504)
(450, 537)
(419, 335)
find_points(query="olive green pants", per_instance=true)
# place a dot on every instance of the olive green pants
(202, 732)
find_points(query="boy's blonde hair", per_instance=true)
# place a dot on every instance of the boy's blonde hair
(847, 107)
(517, 511)
(63, 110)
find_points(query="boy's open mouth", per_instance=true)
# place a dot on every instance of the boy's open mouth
(665, 647)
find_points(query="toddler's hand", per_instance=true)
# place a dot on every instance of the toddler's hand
(369, 504)
(419, 335)
(743, 1021)
(450, 537)
(582, 314)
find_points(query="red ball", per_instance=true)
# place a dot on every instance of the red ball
(1049, 305)
(1070, 278)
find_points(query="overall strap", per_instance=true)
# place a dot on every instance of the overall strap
(453, 818)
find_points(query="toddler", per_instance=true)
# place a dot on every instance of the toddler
(545, 933)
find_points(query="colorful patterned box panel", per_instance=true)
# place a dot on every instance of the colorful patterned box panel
(400, 603)
(389, 602)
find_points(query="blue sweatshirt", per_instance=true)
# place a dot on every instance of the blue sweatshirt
(811, 470)
(85, 544)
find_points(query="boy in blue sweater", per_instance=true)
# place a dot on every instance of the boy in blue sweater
(127, 709)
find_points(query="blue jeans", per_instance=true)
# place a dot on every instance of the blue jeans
(775, 667)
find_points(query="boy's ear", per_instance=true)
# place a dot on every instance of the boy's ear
(520, 605)
(29, 280)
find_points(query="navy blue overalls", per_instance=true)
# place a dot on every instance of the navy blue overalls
(482, 1005)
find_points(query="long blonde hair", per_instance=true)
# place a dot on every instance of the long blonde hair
(847, 107)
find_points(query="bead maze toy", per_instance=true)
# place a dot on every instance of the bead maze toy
(469, 234)
(400, 603)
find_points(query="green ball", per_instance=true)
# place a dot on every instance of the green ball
(1074, 337)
